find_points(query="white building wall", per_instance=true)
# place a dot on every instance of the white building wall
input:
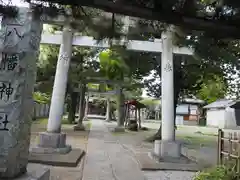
(216, 118)
(182, 109)
(193, 109)
(179, 120)
(230, 119)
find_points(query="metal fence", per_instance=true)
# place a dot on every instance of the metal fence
(229, 149)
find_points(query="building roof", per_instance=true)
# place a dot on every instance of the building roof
(222, 103)
(135, 103)
(192, 101)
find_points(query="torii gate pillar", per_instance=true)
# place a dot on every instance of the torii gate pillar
(53, 140)
(167, 147)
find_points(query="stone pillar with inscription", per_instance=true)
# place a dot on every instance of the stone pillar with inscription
(53, 141)
(167, 147)
(19, 44)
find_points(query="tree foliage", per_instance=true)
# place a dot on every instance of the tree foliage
(217, 17)
(41, 97)
(212, 56)
(46, 67)
(212, 89)
(112, 65)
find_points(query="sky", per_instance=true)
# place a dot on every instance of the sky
(157, 80)
(20, 3)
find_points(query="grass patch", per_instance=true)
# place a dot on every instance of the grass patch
(65, 121)
(206, 134)
(88, 125)
(210, 134)
(44, 121)
(198, 141)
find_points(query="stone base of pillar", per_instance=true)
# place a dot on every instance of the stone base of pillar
(166, 149)
(167, 156)
(79, 127)
(52, 143)
(119, 129)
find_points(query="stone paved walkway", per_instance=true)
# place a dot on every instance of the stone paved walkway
(108, 159)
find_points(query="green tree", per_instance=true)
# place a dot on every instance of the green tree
(212, 57)
(214, 51)
(80, 67)
(212, 90)
(113, 67)
(46, 67)
(204, 15)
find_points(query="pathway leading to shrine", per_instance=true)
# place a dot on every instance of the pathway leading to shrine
(107, 159)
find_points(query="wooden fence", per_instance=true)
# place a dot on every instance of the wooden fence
(229, 149)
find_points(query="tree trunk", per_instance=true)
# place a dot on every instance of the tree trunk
(113, 117)
(72, 107)
(86, 106)
(136, 115)
(139, 119)
(178, 78)
(127, 115)
(177, 89)
(108, 110)
(120, 107)
(156, 136)
(81, 104)
(176, 97)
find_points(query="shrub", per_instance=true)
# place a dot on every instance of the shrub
(217, 173)
(41, 98)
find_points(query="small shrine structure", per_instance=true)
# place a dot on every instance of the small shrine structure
(133, 114)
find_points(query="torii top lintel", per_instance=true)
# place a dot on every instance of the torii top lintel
(218, 27)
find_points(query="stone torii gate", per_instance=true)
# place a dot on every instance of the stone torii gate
(19, 44)
(106, 97)
(117, 91)
(165, 46)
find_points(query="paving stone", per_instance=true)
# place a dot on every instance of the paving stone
(106, 159)
(35, 172)
(135, 146)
